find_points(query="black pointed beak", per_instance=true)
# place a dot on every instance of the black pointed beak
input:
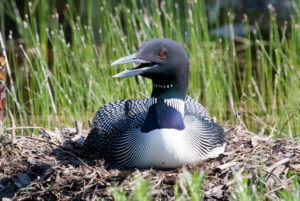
(134, 71)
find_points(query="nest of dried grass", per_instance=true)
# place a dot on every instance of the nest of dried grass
(52, 166)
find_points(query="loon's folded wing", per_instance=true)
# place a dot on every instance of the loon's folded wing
(113, 119)
(193, 108)
(118, 116)
(110, 122)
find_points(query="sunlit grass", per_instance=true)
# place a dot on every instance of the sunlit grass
(64, 72)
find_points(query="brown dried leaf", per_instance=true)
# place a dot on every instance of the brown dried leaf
(2, 103)
(2, 75)
(2, 61)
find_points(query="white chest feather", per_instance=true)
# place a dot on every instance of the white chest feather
(167, 148)
(163, 148)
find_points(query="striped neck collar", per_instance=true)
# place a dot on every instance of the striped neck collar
(175, 103)
(163, 86)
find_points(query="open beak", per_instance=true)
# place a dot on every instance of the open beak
(134, 71)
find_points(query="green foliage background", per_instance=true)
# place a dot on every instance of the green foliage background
(61, 69)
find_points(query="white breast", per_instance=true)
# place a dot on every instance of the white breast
(162, 148)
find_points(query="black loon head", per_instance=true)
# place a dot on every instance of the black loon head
(165, 62)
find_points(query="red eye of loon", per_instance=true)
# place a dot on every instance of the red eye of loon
(162, 54)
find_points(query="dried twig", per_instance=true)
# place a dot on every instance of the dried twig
(67, 177)
(227, 165)
(62, 148)
(261, 122)
(42, 140)
(25, 127)
(78, 127)
(13, 125)
(285, 123)
(275, 189)
(281, 162)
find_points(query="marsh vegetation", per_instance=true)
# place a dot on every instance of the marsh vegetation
(60, 54)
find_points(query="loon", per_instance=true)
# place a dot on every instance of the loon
(167, 130)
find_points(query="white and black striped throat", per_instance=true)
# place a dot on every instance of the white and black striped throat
(175, 103)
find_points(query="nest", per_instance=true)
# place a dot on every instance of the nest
(52, 166)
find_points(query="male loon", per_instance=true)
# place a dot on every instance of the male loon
(167, 130)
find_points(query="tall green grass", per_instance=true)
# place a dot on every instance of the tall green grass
(62, 71)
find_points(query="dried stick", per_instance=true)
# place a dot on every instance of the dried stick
(63, 149)
(25, 127)
(285, 123)
(78, 125)
(13, 125)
